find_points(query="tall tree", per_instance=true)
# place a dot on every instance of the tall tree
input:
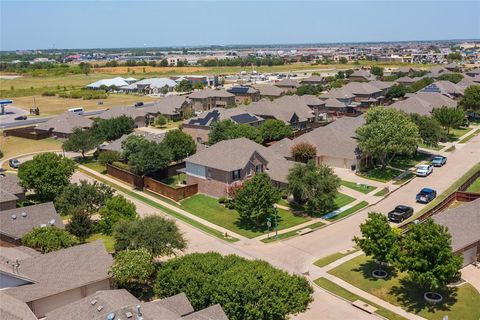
(150, 158)
(116, 209)
(227, 129)
(46, 174)
(255, 200)
(180, 144)
(452, 77)
(429, 129)
(81, 141)
(184, 86)
(80, 224)
(427, 256)
(90, 196)
(378, 240)
(274, 130)
(386, 133)
(160, 236)
(396, 91)
(471, 99)
(376, 71)
(449, 117)
(303, 152)
(112, 129)
(133, 269)
(314, 186)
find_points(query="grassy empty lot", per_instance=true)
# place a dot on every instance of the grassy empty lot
(459, 303)
(54, 105)
(14, 146)
(380, 174)
(209, 209)
(363, 188)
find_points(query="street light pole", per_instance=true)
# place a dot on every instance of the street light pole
(276, 221)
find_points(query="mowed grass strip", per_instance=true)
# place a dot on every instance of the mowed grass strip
(293, 233)
(209, 209)
(360, 187)
(349, 211)
(462, 303)
(347, 295)
(470, 136)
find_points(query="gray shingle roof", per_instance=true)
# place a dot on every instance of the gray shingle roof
(283, 108)
(11, 184)
(313, 79)
(463, 223)
(269, 90)
(27, 218)
(178, 304)
(14, 309)
(423, 103)
(238, 115)
(210, 93)
(287, 82)
(443, 87)
(214, 312)
(67, 122)
(116, 112)
(116, 145)
(62, 270)
(169, 105)
(362, 73)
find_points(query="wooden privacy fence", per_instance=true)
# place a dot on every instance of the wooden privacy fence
(125, 175)
(27, 133)
(175, 193)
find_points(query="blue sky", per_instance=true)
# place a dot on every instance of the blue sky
(106, 24)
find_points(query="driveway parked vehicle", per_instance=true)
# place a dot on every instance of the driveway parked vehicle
(426, 195)
(400, 213)
(424, 170)
(439, 161)
(14, 163)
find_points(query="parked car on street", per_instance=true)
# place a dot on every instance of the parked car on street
(14, 163)
(20, 118)
(138, 104)
(400, 213)
(426, 195)
(424, 170)
(439, 161)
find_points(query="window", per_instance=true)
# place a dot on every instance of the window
(259, 168)
(236, 174)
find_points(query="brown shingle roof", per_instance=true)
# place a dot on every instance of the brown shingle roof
(11, 184)
(14, 309)
(269, 90)
(423, 103)
(287, 82)
(169, 105)
(67, 122)
(283, 109)
(27, 218)
(210, 93)
(214, 312)
(116, 112)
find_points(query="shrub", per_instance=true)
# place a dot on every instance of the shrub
(109, 157)
(48, 93)
(47, 239)
(80, 224)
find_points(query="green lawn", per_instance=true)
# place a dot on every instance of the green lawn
(379, 174)
(347, 295)
(363, 188)
(381, 193)
(108, 241)
(175, 180)
(325, 261)
(436, 148)
(475, 186)
(407, 162)
(459, 303)
(470, 136)
(90, 163)
(349, 211)
(455, 134)
(293, 233)
(209, 209)
(342, 200)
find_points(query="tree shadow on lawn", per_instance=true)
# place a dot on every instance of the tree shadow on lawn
(247, 225)
(369, 266)
(410, 296)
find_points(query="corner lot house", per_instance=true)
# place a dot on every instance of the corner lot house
(463, 224)
(125, 306)
(230, 162)
(49, 281)
(173, 107)
(62, 126)
(15, 223)
(211, 98)
(10, 192)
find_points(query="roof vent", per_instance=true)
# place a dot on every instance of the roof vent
(43, 225)
(14, 216)
(99, 308)
(128, 314)
(24, 214)
(93, 302)
(111, 316)
(51, 222)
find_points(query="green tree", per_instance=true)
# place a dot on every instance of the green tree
(184, 86)
(449, 117)
(160, 236)
(396, 91)
(454, 56)
(420, 84)
(132, 145)
(90, 196)
(46, 174)
(116, 209)
(85, 67)
(274, 130)
(180, 144)
(160, 120)
(164, 63)
(429, 129)
(303, 152)
(112, 129)
(471, 99)
(386, 133)
(109, 157)
(427, 256)
(246, 289)
(309, 89)
(255, 200)
(227, 129)
(336, 84)
(150, 158)
(343, 60)
(315, 186)
(198, 85)
(48, 239)
(133, 269)
(80, 141)
(379, 240)
(376, 71)
(452, 77)
(80, 224)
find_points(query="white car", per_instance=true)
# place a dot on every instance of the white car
(424, 170)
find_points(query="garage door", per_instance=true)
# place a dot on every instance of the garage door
(469, 256)
(334, 162)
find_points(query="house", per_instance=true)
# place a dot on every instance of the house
(64, 125)
(316, 104)
(359, 95)
(199, 127)
(209, 80)
(116, 145)
(361, 75)
(173, 107)
(437, 71)
(139, 116)
(453, 67)
(120, 304)
(11, 191)
(114, 82)
(15, 223)
(336, 144)
(314, 80)
(468, 81)
(151, 86)
(244, 93)
(14, 309)
(473, 73)
(407, 81)
(292, 110)
(207, 99)
(229, 163)
(463, 224)
(269, 91)
(287, 85)
(446, 88)
(49, 281)
(423, 103)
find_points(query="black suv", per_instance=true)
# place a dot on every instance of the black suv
(400, 213)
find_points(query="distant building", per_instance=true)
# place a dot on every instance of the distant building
(361, 75)
(244, 93)
(269, 91)
(207, 99)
